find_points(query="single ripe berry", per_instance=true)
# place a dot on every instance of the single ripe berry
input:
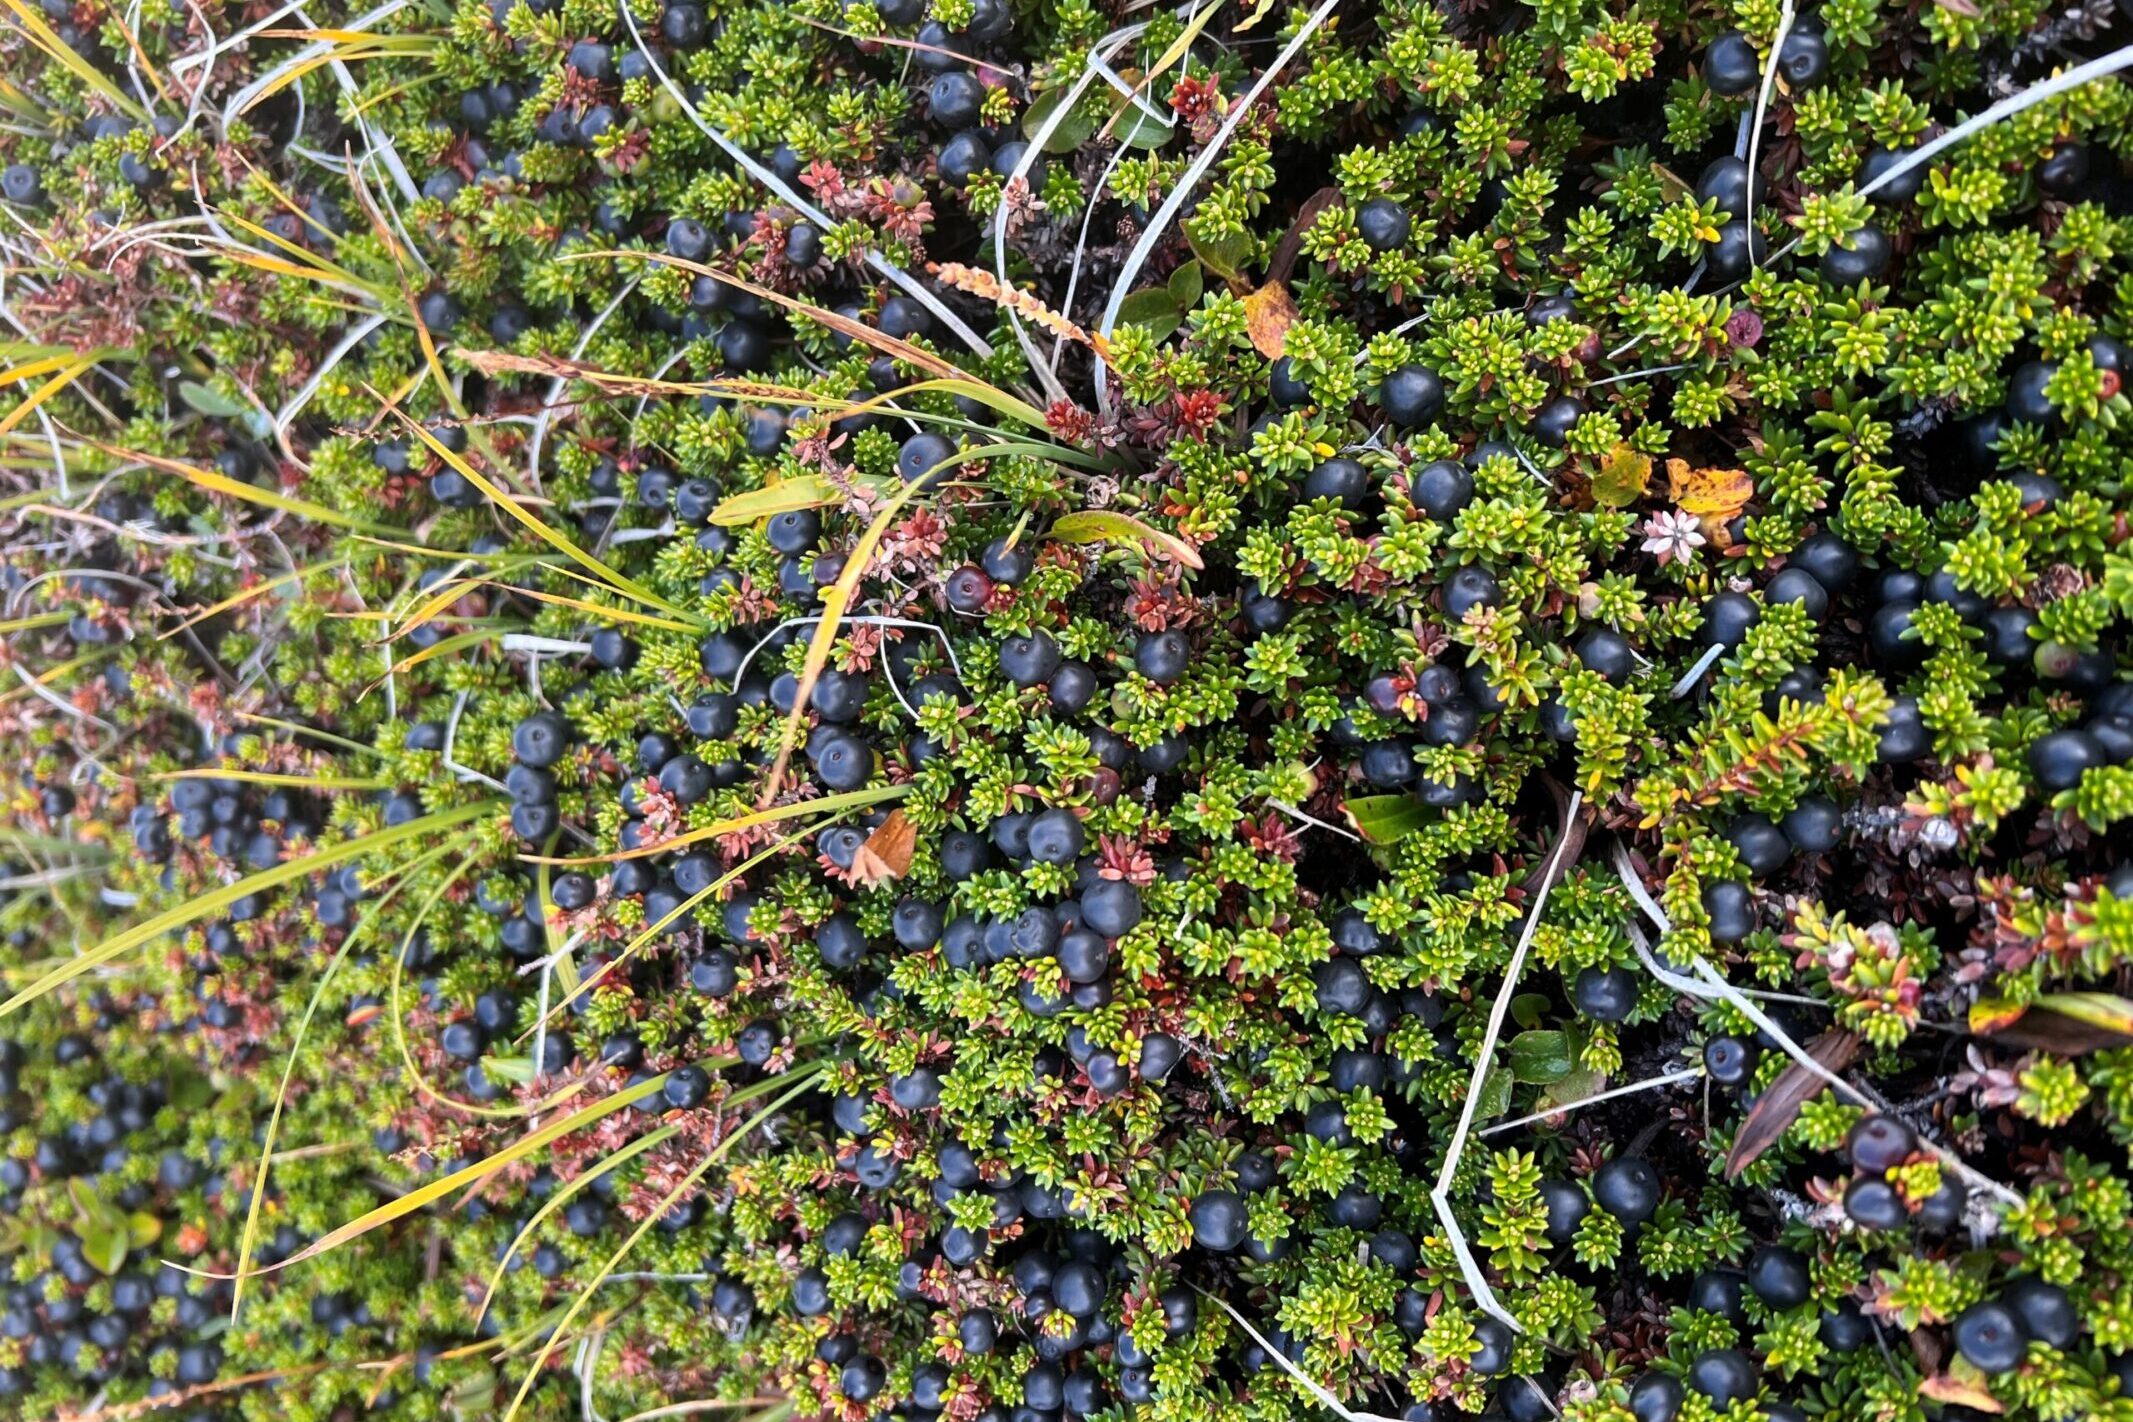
(1731, 66)
(1411, 396)
(1728, 1061)
(1731, 909)
(1990, 1338)
(1217, 1221)
(1878, 1144)
(1627, 1188)
(1724, 1375)
(1605, 994)
(1779, 1276)
(969, 589)
(1441, 489)
(1162, 657)
(2045, 1311)
(1803, 58)
(1384, 224)
(2060, 759)
(1657, 1397)
(1873, 1204)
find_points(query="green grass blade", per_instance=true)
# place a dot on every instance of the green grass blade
(249, 1238)
(851, 799)
(214, 902)
(562, 1195)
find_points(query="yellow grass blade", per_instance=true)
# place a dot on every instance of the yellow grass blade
(30, 370)
(835, 600)
(866, 335)
(652, 931)
(268, 777)
(426, 1195)
(541, 529)
(250, 1234)
(46, 391)
(45, 38)
(562, 1195)
(220, 483)
(853, 799)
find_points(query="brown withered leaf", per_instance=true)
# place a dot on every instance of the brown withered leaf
(1268, 313)
(887, 853)
(1780, 1106)
(2067, 1024)
(1948, 1388)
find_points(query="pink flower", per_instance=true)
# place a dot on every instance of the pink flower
(1672, 537)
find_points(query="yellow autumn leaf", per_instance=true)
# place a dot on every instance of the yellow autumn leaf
(1623, 476)
(1710, 494)
(1268, 313)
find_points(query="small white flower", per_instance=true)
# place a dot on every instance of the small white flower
(1672, 537)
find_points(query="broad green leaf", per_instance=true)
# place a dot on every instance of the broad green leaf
(1186, 284)
(1224, 256)
(1383, 819)
(104, 1246)
(1540, 1057)
(802, 491)
(1495, 1094)
(1530, 1009)
(1073, 130)
(210, 401)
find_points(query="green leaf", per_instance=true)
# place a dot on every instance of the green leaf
(1153, 308)
(1186, 284)
(1495, 1094)
(90, 1208)
(1530, 1009)
(516, 1070)
(2065, 1023)
(1073, 131)
(1538, 1058)
(209, 401)
(1575, 1086)
(1136, 129)
(105, 1248)
(214, 902)
(1104, 526)
(802, 491)
(1225, 256)
(1382, 819)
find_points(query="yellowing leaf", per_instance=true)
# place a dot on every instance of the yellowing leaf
(1268, 313)
(1104, 526)
(1708, 493)
(1623, 476)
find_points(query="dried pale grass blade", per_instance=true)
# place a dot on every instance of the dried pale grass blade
(1304, 1380)
(1484, 1059)
(1186, 185)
